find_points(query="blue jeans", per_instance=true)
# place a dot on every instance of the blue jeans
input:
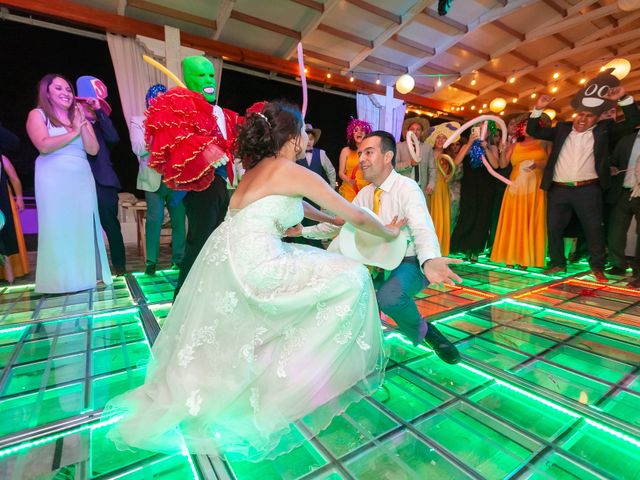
(153, 224)
(395, 297)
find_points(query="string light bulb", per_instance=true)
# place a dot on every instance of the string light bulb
(484, 105)
(351, 79)
(512, 80)
(473, 82)
(533, 95)
(554, 89)
(583, 81)
(328, 75)
(472, 107)
(556, 75)
(306, 70)
(514, 100)
(378, 80)
(439, 83)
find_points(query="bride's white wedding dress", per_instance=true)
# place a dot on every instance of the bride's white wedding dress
(262, 333)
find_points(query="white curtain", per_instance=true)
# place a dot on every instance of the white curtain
(371, 108)
(133, 75)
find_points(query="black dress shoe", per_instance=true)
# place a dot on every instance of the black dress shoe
(619, 271)
(150, 269)
(446, 350)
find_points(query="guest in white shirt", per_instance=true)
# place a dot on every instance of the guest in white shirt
(157, 195)
(578, 171)
(392, 196)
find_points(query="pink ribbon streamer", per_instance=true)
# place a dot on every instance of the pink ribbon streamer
(303, 79)
(483, 133)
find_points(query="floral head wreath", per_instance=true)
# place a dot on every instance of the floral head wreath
(355, 123)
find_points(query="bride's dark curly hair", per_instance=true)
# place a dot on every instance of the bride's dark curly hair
(263, 134)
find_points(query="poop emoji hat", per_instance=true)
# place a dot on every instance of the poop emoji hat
(591, 97)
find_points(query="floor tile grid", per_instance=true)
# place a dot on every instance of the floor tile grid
(546, 446)
(566, 303)
(540, 356)
(89, 378)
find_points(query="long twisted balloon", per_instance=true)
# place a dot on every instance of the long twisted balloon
(303, 79)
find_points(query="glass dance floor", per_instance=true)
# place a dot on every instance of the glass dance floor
(549, 387)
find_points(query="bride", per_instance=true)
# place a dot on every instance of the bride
(263, 332)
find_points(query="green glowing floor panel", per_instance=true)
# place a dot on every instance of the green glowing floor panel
(544, 391)
(158, 288)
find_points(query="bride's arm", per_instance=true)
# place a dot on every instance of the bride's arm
(305, 183)
(312, 213)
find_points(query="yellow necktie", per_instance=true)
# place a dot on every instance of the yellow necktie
(376, 200)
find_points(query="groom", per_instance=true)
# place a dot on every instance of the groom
(196, 156)
(390, 195)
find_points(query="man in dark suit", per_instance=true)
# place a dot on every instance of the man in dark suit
(91, 96)
(626, 204)
(578, 168)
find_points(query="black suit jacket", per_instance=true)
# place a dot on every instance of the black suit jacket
(620, 159)
(601, 139)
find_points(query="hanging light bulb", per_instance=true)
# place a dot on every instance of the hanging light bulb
(514, 100)
(484, 105)
(351, 79)
(462, 108)
(480, 111)
(405, 83)
(502, 112)
(554, 89)
(473, 82)
(621, 67)
(497, 105)
(378, 80)
(439, 81)
(306, 70)
(512, 80)
(472, 107)
(556, 75)
(328, 75)
(583, 81)
(533, 95)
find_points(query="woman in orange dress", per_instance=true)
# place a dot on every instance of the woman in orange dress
(349, 168)
(440, 201)
(521, 236)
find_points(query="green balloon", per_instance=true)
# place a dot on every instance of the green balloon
(200, 76)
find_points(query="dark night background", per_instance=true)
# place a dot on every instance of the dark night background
(29, 52)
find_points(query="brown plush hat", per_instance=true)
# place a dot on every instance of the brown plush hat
(315, 131)
(423, 122)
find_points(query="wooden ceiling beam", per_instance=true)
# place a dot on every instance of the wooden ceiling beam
(511, 31)
(310, 4)
(523, 58)
(97, 19)
(310, 27)
(555, 6)
(380, 12)
(172, 13)
(415, 45)
(389, 32)
(326, 58)
(473, 51)
(564, 40)
(323, 27)
(264, 24)
(490, 74)
(466, 89)
(224, 11)
(386, 64)
(461, 27)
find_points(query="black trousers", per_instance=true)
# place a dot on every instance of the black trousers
(205, 211)
(108, 210)
(620, 219)
(586, 202)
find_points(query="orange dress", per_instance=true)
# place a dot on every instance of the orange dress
(352, 171)
(440, 210)
(521, 236)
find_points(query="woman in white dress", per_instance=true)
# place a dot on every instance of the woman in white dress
(263, 332)
(71, 251)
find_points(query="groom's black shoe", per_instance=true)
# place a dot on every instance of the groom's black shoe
(446, 350)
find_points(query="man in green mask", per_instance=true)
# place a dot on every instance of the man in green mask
(191, 144)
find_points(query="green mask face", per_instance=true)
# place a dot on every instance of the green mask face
(199, 76)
